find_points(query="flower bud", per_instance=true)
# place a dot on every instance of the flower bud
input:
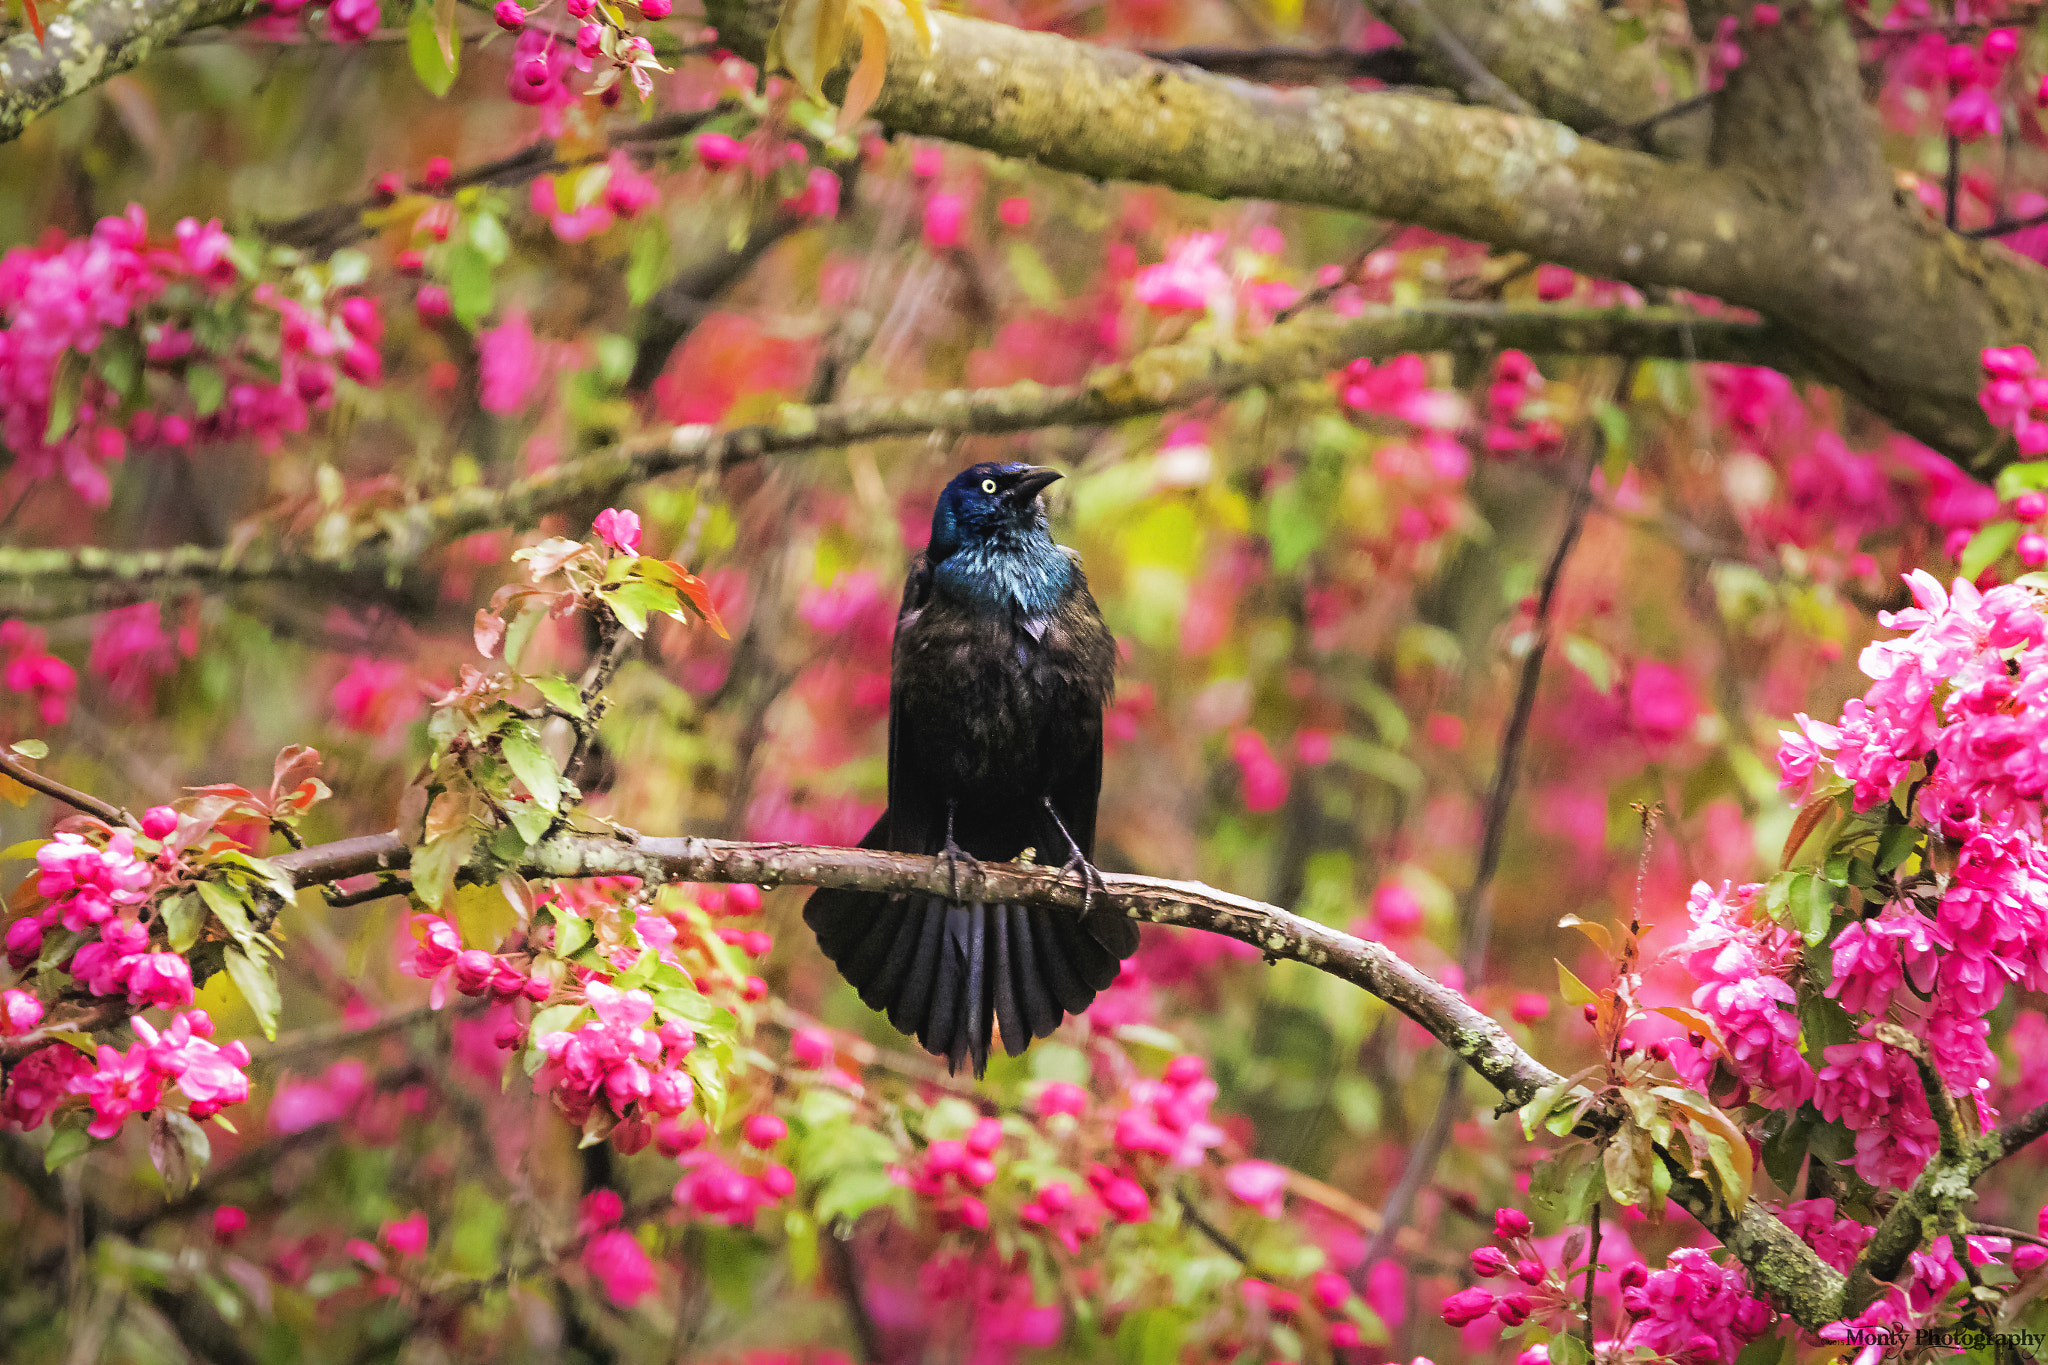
(1509, 1223)
(509, 15)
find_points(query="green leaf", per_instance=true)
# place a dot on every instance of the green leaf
(1785, 1149)
(64, 396)
(571, 932)
(1590, 659)
(29, 748)
(554, 1019)
(434, 866)
(67, 1144)
(25, 849)
(436, 69)
(531, 765)
(1028, 269)
(1150, 1336)
(710, 1082)
(647, 266)
(1616, 439)
(2027, 476)
(1813, 906)
(1576, 992)
(1987, 547)
(228, 908)
(1896, 845)
(852, 1193)
(469, 285)
(208, 387)
(257, 981)
(487, 234)
(184, 916)
(561, 694)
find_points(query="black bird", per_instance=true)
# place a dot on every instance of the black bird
(1001, 672)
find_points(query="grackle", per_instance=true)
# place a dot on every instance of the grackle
(1002, 667)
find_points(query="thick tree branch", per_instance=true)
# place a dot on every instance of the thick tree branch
(1892, 308)
(33, 582)
(1298, 65)
(86, 44)
(50, 787)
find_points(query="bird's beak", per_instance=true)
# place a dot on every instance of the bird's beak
(1033, 481)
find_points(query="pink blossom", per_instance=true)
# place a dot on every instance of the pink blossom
(1876, 1092)
(618, 529)
(1691, 1301)
(616, 1261)
(375, 696)
(301, 1105)
(229, 1222)
(1259, 1184)
(1660, 703)
(718, 150)
(1062, 1097)
(39, 1082)
(510, 365)
(942, 216)
(131, 650)
(1189, 280)
(1265, 781)
(628, 192)
(1014, 212)
(211, 1077)
(763, 1131)
(19, 1012)
(406, 1236)
(351, 21)
(1530, 1007)
(122, 1085)
(1972, 115)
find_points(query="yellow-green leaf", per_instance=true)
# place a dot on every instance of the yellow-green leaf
(257, 981)
(866, 83)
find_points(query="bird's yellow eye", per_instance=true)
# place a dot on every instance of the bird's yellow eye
(988, 485)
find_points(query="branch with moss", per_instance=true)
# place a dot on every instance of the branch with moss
(1891, 308)
(45, 582)
(88, 43)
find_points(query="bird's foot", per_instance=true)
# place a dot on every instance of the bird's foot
(953, 855)
(1091, 879)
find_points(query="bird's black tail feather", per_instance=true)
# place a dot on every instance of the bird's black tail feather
(952, 973)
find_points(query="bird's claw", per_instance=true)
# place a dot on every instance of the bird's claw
(1091, 879)
(954, 855)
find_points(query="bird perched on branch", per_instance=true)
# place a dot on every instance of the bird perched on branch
(1001, 672)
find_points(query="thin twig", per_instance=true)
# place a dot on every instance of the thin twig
(49, 786)
(1592, 1261)
(1476, 910)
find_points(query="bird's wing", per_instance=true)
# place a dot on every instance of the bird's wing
(915, 825)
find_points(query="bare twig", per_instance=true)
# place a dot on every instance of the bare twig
(48, 786)
(1476, 910)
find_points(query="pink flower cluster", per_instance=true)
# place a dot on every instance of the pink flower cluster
(1264, 779)
(2015, 397)
(1169, 1118)
(1974, 74)
(85, 885)
(715, 1190)
(1189, 280)
(1399, 388)
(1057, 1212)
(437, 955)
(131, 650)
(1693, 1310)
(634, 1070)
(1964, 692)
(612, 1256)
(1516, 381)
(67, 298)
(626, 193)
(28, 667)
(129, 1082)
(952, 1173)
(1875, 1090)
(119, 962)
(1741, 960)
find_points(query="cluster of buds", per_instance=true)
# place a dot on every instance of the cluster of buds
(1509, 429)
(715, 1190)
(1540, 1292)
(953, 1172)
(437, 955)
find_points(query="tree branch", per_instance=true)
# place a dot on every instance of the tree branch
(32, 581)
(86, 44)
(91, 805)
(1894, 310)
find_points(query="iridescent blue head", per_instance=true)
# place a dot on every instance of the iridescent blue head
(991, 544)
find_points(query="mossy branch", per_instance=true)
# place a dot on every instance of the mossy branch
(44, 582)
(89, 42)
